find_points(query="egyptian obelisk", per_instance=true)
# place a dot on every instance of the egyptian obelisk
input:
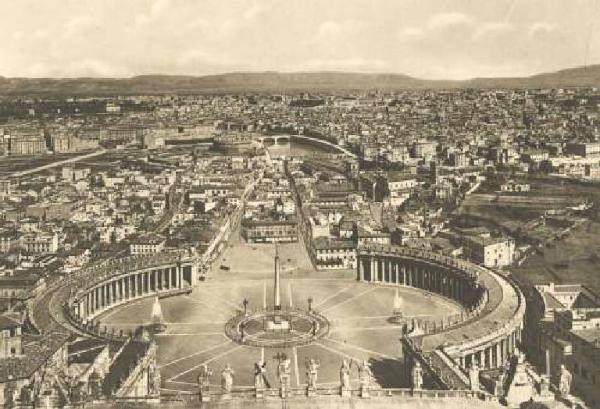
(276, 293)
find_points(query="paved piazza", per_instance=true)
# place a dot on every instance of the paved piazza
(358, 314)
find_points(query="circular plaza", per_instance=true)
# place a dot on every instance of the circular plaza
(328, 316)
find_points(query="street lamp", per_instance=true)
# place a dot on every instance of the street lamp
(245, 303)
(310, 301)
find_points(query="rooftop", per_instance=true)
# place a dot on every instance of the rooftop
(36, 351)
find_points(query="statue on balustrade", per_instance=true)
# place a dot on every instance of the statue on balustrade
(312, 372)
(153, 379)
(520, 355)
(204, 382)
(284, 374)
(227, 378)
(364, 375)
(345, 376)
(474, 377)
(499, 385)
(417, 376)
(566, 378)
(284, 370)
(260, 380)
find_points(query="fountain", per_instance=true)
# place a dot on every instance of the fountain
(157, 320)
(397, 313)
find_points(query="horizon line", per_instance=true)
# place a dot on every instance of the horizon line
(300, 72)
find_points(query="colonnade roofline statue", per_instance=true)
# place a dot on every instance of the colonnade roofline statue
(564, 385)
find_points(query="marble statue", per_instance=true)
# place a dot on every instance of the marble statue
(564, 385)
(204, 376)
(154, 379)
(474, 377)
(345, 375)
(499, 385)
(227, 378)
(259, 374)
(417, 376)
(520, 356)
(284, 370)
(312, 371)
(364, 376)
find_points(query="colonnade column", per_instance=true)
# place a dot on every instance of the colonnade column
(499, 360)
(373, 270)
(359, 266)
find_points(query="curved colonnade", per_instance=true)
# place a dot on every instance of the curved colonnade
(489, 329)
(75, 302)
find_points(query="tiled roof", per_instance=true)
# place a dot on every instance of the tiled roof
(36, 352)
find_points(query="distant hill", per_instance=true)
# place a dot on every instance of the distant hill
(282, 82)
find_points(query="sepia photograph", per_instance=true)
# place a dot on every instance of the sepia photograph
(300, 204)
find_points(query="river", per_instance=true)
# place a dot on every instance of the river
(297, 148)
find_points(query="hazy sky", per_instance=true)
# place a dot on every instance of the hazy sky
(432, 39)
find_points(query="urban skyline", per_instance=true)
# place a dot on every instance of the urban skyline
(308, 205)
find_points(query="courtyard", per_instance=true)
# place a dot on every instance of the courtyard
(358, 314)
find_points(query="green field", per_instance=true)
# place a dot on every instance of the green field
(573, 260)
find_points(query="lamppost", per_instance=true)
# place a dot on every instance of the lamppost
(245, 303)
(310, 301)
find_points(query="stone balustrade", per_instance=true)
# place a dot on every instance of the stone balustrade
(374, 393)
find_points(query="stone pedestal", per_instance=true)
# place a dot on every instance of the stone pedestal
(521, 388)
(345, 392)
(259, 393)
(277, 323)
(310, 391)
(364, 392)
(204, 397)
(545, 394)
